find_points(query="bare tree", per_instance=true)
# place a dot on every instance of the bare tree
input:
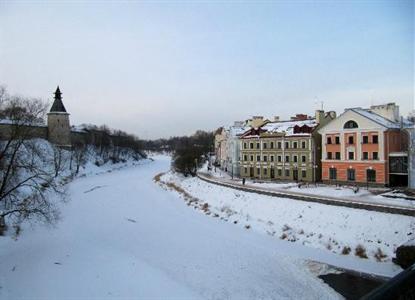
(79, 154)
(59, 160)
(25, 179)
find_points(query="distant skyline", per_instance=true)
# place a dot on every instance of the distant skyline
(160, 69)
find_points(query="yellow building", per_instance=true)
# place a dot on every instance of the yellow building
(284, 150)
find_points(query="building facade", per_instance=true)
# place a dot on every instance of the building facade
(220, 146)
(411, 157)
(366, 147)
(233, 152)
(284, 150)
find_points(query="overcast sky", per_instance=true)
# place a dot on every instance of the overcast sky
(159, 69)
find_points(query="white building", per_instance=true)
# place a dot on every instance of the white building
(227, 146)
(234, 147)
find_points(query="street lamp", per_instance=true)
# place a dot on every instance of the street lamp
(314, 173)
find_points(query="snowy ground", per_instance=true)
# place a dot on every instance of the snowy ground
(123, 236)
(373, 195)
(329, 228)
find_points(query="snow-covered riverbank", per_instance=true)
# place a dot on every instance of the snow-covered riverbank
(332, 229)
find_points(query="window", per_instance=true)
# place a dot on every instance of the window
(365, 155)
(337, 139)
(279, 145)
(365, 139)
(375, 156)
(246, 170)
(351, 140)
(333, 173)
(350, 124)
(258, 171)
(257, 145)
(287, 158)
(252, 158)
(351, 155)
(370, 175)
(279, 158)
(287, 173)
(351, 175)
(303, 158)
(303, 173)
(304, 144)
(245, 145)
(279, 172)
(329, 155)
(271, 145)
(264, 145)
(271, 157)
(338, 155)
(329, 140)
(295, 145)
(287, 145)
(258, 158)
(251, 145)
(265, 171)
(245, 157)
(295, 159)
(375, 139)
(265, 158)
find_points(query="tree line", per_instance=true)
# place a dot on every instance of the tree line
(188, 152)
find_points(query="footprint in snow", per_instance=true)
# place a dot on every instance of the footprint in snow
(131, 220)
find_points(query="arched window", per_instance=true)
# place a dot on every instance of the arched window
(350, 124)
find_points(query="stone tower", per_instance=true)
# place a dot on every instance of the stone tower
(59, 130)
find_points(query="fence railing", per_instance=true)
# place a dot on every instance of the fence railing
(402, 286)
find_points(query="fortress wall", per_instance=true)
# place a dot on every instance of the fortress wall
(6, 131)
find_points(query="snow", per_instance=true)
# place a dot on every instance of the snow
(410, 243)
(344, 192)
(376, 118)
(288, 126)
(122, 236)
(324, 227)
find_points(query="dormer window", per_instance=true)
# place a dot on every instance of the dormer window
(350, 124)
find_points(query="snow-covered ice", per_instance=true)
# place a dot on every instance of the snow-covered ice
(123, 236)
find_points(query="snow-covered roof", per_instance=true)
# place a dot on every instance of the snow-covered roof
(375, 117)
(287, 127)
(78, 128)
(236, 131)
(382, 120)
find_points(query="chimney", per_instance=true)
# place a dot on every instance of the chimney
(299, 117)
(389, 111)
(276, 118)
(319, 116)
(257, 121)
(238, 123)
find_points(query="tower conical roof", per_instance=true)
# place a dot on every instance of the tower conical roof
(57, 105)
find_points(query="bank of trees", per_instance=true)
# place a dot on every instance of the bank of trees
(109, 145)
(191, 152)
(188, 152)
